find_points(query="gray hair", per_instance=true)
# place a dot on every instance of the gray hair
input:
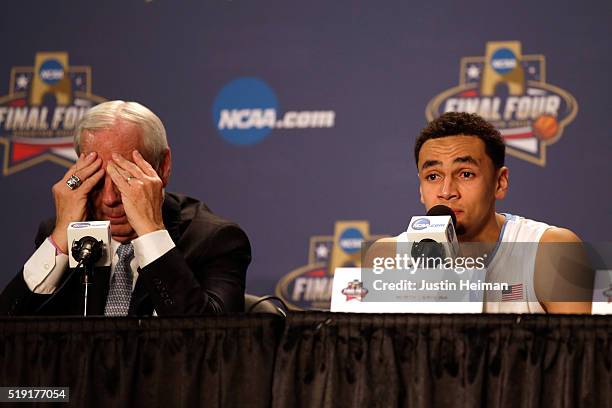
(106, 115)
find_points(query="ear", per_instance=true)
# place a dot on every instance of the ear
(501, 188)
(421, 193)
(165, 167)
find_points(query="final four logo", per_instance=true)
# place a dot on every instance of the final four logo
(510, 90)
(310, 286)
(40, 113)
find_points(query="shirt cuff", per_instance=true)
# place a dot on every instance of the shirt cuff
(42, 272)
(152, 246)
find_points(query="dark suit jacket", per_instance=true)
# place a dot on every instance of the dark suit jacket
(204, 273)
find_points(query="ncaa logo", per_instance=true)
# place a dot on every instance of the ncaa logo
(350, 240)
(245, 111)
(420, 224)
(503, 61)
(51, 71)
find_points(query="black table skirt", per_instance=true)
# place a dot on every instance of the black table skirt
(315, 359)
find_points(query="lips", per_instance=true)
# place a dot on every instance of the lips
(116, 219)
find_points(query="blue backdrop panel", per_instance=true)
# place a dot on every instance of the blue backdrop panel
(368, 68)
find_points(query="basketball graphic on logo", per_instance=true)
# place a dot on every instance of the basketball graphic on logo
(545, 127)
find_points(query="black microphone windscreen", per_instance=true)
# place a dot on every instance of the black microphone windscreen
(442, 210)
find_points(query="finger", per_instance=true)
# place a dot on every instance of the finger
(81, 162)
(88, 170)
(144, 165)
(72, 168)
(128, 166)
(91, 181)
(117, 178)
(85, 160)
(122, 172)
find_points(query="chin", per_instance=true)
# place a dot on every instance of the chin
(460, 230)
(122, 233)
(122, 239)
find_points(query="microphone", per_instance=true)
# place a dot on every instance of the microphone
(90, 243)
(87, 250)
(90, 248)
(443, 210)
(433, 235)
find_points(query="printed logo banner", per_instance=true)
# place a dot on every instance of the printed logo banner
(41, 111)
(510, 90)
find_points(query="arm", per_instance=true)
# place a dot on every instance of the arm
(206, 271)
(37, 280)
(44, 271)
(212, 280)
(563, 277)
(381, 249)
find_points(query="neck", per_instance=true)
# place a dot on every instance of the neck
(489, 233)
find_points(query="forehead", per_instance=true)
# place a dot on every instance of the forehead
(447, 149)
(123, 137)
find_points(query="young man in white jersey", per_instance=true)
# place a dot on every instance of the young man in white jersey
(460, 161)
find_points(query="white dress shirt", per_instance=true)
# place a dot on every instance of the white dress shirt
(43, 271)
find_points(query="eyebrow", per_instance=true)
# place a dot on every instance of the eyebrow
(466, 159)
(462, 159)
(430, 163)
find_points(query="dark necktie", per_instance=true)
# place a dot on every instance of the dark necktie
(120, 291)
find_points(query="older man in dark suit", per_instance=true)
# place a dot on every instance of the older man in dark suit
(170, 254)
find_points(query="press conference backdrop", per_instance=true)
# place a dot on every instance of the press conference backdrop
(297, 119)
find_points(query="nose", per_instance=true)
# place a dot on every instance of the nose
(448, 190)
(110, 194)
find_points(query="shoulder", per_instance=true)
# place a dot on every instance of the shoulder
(191, 210)
(520, 229)
(555, 234)
(192, 220)
(181, 202)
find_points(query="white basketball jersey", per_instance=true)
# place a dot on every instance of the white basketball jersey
(515, 265)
